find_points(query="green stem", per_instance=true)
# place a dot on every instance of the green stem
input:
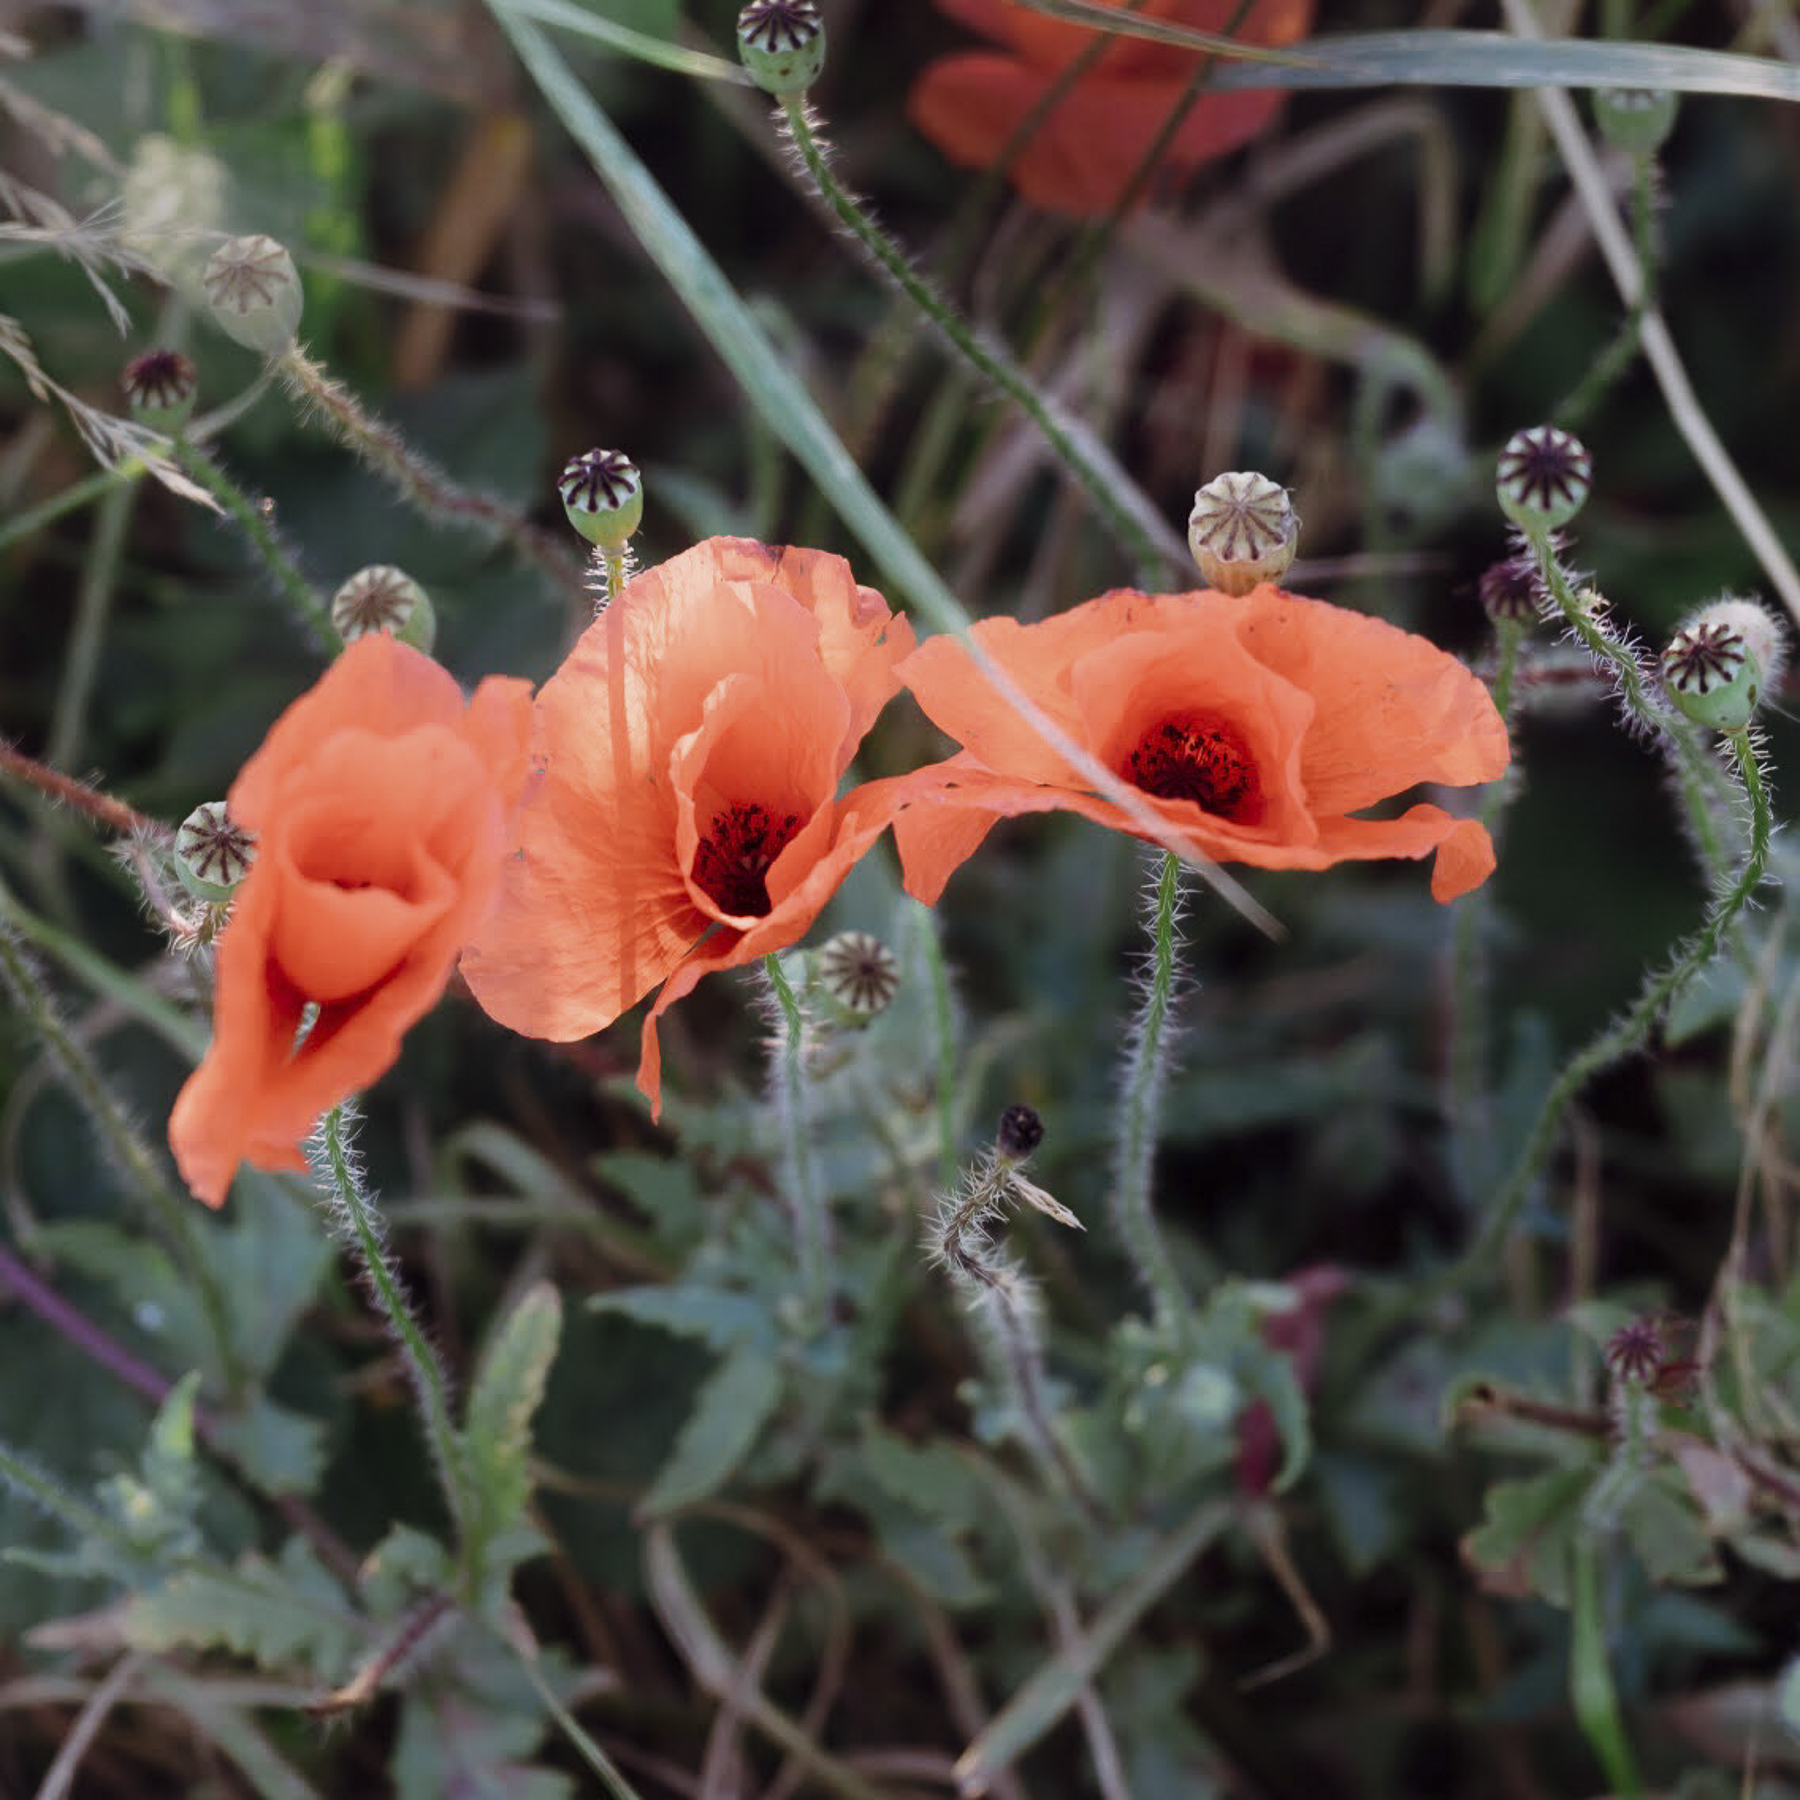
(339, 1178)
(1128, 514)
(99, 577)
(71, 499)
(585, 1747)
(811, 1214)
(174, 1212)
(1595, 1699)
(252, 520)
(1616, 358)
(419, 481)
(1626, 1035)
(1146, 1073)
(943, 1021)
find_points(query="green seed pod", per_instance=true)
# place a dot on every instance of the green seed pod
(1637, 120)
(161, 387)
(782, 44)
(253, 290)
(1543, 479)
(383, 598)
(1722, 662)
(212, 853)
(1243, 531)
(858, 975)
(603, 494)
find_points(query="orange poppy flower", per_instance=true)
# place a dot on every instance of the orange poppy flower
(687, 816)
(1084, 153)
(380, 803)
(1258, 728)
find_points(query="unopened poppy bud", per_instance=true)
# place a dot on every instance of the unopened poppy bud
(603, 494)
(1720, 664)
(1512, 591)
(1020, 1133)
(1544, 477)
(858, 974)
(254, 292)
(383, 598)
(1637, 120)
(212, 852)
(1243, 531)
(782, 44)
(161, 387)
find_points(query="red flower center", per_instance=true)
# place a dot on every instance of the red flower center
(731, 864)
(1198, 757)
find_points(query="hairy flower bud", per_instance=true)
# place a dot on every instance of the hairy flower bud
(212, 852)
(858, 974)
(1637, 120)
(1243, 531)
(1543, 478)
(161, 387)
(254, 292)
(603, 494)
(782, 44)
(383, 598)
(1722, 662)
(1020, 1133)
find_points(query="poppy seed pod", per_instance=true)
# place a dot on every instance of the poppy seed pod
(858, 975)
(1243, 531)
(782, 44)
(603, 494)
(213, 853)
(161, 387)
(1636, 120)
(1722, 662)
(383, 598)
(1543, 478)
(253, 291)
(1020, 1133)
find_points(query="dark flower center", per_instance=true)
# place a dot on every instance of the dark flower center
(732, 862)
(1197, 757)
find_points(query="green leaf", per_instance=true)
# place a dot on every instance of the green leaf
(1663, 1525)
(734, 1404)
(932, 1478)
(281, 1615)
(1448, 59)
(280, 1451)
(1526, 1540)
(718, 1317)
(508, 1387)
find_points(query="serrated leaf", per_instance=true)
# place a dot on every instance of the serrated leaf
(1663, 1525)
(405, 1564)
(278, 1614)
(734, 1404)
(718, 1317)
(280, 1451)
(508, 1388)
(932, 1478)
(1526, 1541)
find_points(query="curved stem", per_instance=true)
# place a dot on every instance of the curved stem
(1128, 514)
(811, 1215)
(943, 1020)
(356, 1219)
(252, 520)
(1146, 1072)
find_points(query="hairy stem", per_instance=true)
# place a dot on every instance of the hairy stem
(1146, 1074)
(1128, 514)
(812, 1215)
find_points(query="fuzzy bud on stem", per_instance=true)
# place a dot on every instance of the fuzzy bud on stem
(1243, 531)
(782, 44)
(1722, 662)
(383, 598)
(253, 291)
(161, 387)
(1635, 120)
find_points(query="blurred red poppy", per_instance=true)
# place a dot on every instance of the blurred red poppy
(1084, 153)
